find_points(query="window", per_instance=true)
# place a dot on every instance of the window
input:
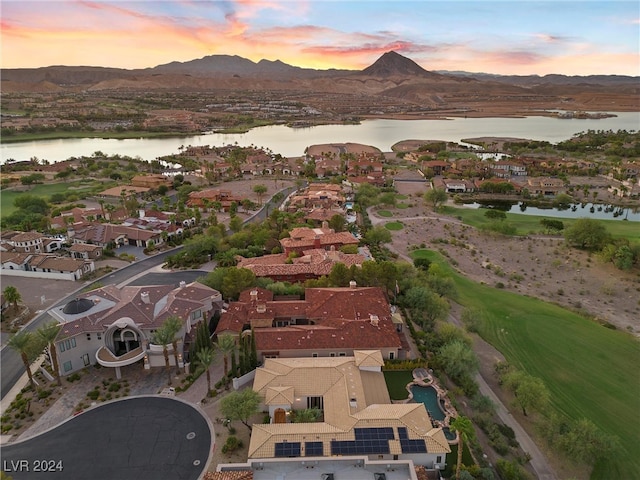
(99, 336)
(342, 354)
(195, 315)
(89, 336)
(332, 354)
(314, 355)
(67, 366)
(68, 344)
(391, 355)
(85, 359)
(439, 459)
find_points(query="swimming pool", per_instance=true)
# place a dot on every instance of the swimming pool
(429, 397)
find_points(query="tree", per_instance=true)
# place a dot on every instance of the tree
(260, 190)
(340, 275)
(12, 295)
(241, 405)
(205, 357)
(495, 214)
(337, 222)
(465, 430)
(377, 236)
(235, 224)
(529, 391)
(387, 199)
(587, 234)
(307, 415)
(436, 197)
(202, 339)
(226, 345)
(48, 333)
(164, 336)
(22, 342)
(458, 360)
(174, 324)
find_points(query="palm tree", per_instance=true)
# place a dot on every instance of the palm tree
(12, 295)
(174, 324)
(205, 357)
(163, 336)
(465, 430)
(21, 342)
(48, 333)
(226, 345)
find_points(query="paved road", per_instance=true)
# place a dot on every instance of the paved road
(137, 438)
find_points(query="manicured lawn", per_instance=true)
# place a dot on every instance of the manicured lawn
(397, 381)
(527, 224)
(399, 196)
(402, 205)
(394, 226)
(590, 371)
(384, 213)
(45, 190)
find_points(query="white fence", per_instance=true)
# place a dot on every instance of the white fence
(24, 273)
(243, 380)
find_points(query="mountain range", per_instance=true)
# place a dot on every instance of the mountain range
(392, 75)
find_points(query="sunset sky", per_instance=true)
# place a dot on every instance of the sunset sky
(505, 37)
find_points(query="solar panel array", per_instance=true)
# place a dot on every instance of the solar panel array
(408, 445)
(368, 441)
(287, 449)
(313, 449)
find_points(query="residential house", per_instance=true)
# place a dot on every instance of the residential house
(304, 238)
(211, 195)
(114, 326)
(85, 251)
(150, 180)
(329, 322)
(438, 167)
(506, 169)
(545, 186)
(358, 418)
(38, 265)
(312, 264)
(451, 185)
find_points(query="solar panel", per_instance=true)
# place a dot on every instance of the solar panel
(413, 446)
(402, 433)
(359, 447)
(313, 449)
(384, 433)
(287, 449)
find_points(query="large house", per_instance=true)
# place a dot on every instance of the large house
(44, 266)
(305, 238)
(329, 322)
(312, 264)
(114, 326)
(358, 418)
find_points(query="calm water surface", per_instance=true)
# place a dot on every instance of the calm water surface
(292, 142)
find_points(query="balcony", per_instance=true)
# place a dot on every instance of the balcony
(106, 358)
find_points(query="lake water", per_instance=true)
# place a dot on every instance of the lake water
(292, 142)
(600, 211)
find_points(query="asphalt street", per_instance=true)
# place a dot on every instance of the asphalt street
(138, 438)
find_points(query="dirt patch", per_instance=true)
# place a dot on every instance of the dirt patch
(539, 266)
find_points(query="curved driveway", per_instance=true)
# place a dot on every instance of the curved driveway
(136, 438)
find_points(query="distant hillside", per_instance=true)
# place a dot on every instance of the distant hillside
(551, 79)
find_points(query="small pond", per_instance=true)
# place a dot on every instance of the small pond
(577, 210)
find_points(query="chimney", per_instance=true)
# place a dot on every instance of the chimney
(254, 296)
(144, 296)
(325, 224)
(316, 241)
(353, 284)
(374, 319)
(261, 308)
